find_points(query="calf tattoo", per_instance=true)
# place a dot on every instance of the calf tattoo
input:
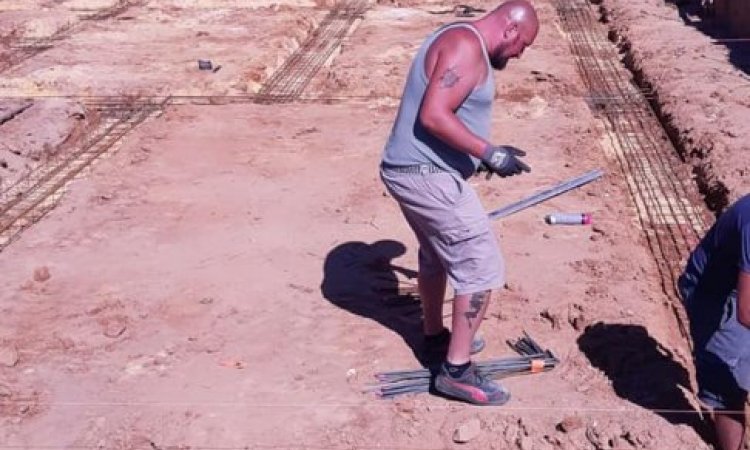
(476, 302)
(449, 78)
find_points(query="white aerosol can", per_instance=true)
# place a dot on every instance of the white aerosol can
(568, 219)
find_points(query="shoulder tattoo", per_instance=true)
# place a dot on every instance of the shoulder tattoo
(449, 78)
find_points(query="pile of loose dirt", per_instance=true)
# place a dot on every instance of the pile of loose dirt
(703, 87)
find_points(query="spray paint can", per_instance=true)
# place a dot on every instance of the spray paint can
(568, 219)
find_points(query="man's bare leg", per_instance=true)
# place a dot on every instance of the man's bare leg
(730, 430)
(432, 293)
(459, 377)
(468, 312)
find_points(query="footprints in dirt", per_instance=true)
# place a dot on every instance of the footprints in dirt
(597, 269)
(575, 317)
(18, 402)
(603, 281)
(113, 335)
(543, 92)
(19, 395)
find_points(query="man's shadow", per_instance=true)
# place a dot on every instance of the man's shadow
(362, 279)
(642, 371)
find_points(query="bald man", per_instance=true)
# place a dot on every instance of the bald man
(439, 139)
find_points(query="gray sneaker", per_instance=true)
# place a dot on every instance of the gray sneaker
(471, 387)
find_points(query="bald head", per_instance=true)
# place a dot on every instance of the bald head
(521, 13)
(508, 30)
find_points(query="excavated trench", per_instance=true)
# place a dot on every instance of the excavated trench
(714, 191)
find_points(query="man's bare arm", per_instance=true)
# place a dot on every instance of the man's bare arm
(459, 66)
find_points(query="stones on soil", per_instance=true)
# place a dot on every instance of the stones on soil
(114, 328)
(8, 355)
(569, 423)
(467, 431)
(41, 274)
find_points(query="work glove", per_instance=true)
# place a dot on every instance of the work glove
(503, 160)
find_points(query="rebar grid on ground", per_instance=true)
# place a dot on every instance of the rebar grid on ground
(667, 210)
(288, 82)
(24, 49)
(33, 196)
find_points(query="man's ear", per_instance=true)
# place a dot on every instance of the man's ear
(511, 32)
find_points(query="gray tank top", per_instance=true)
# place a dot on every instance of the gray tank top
(410, 143)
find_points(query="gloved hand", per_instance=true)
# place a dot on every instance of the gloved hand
(504, 160)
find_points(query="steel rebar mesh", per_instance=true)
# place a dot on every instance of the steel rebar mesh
(34, 195)
(669, 216)
(290, 80)
(23, 49)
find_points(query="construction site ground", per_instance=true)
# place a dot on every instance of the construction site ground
(231, 274)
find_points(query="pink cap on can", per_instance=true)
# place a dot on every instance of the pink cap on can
(587, 219)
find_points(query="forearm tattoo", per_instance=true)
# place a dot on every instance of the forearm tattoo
(449, 78)
(476, 302)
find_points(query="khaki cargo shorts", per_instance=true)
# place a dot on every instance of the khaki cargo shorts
(452, 228)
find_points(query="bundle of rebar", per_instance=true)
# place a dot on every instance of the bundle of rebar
(532, 359)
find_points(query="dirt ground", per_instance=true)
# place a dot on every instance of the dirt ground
(152, 49)
(221, 281)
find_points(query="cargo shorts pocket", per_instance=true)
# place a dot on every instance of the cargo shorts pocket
(465, 232)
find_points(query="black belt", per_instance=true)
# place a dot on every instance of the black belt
(413, 169)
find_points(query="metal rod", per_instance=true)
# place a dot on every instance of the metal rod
(487, 366)
(546, 194)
